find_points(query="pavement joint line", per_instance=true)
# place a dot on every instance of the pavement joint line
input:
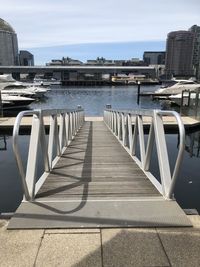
(101, 242)
(72, 233)
(38, 250)
(163, 247)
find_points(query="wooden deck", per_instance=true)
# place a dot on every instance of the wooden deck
(96, 183)
(94, 166)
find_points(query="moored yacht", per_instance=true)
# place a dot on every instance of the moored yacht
(178, 86)
(11, 87)
(12, 101)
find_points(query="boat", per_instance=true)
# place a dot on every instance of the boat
(133, 79)
(11, 101)
(177, 86)
(177, 99)
(46, 82)
(10, 86)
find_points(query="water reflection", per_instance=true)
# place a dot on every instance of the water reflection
(192, 145)
(3, 143)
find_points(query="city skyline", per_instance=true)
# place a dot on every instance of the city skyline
(94, 27)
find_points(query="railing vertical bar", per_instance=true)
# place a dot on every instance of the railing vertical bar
(130, 134)
(43, 144)
(149, 148)
(32, 156)
(141, 140)
(162, 153)
(135, 136)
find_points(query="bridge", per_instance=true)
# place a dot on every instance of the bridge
(85, 68)
(76, 73)
(96, 173)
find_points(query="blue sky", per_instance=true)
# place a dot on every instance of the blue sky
(91, 28)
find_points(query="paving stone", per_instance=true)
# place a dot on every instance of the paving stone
(132, 247)
(18, 247)
(182, 246)
(80, 250)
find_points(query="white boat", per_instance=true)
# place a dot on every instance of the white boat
(132, 79)
(12, 87)
(46, 82)
(178, 86)
(11, 101)
(177, 99)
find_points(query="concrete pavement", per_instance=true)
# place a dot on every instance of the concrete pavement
(117, 247)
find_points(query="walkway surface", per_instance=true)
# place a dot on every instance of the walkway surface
(118, 247)
(96, 183)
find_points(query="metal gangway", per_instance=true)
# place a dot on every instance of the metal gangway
(91, 174)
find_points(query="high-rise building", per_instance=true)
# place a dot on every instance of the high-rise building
(154, 57)
(8, 45)
(196, 51)
(179, 53)
(26, 58)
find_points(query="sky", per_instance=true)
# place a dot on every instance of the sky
(85, 29)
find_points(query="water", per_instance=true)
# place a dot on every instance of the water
(93, 100)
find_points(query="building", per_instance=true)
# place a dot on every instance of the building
(26, 58)
(65, 61)
(71, 61)
(179, 54)
(154, 57)
(196, 51)
(8, 45)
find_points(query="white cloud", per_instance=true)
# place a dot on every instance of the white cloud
(48, 22)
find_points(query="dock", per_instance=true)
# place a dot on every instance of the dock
(96, 184)
(7, 123)
(97, 205)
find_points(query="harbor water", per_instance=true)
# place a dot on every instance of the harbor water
(94, 100)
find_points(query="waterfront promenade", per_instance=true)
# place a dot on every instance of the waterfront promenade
(117, 247)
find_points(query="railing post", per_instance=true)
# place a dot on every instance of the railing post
(130, 134)
(118, 126)
(149, 148)
(141, 140)
(32, 156)
(67, 128)
(44, 144)
(61, 131)
(124, 129)
(135, 136)
(162, 153)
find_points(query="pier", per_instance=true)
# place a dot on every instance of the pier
(92, 177)
(97, 204)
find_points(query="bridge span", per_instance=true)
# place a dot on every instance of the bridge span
(93, 175)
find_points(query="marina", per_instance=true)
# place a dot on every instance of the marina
(94, 101)
(77, 174)
(99, 134)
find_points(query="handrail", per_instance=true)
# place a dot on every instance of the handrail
(120, 123)
(60, 133)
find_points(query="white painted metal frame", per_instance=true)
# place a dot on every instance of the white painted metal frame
(63, 126)
(121, 124)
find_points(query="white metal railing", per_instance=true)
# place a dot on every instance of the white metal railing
(121, 124)
(63, 126)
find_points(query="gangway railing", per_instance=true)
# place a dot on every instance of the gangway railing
(63, 126)
(128, 127)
